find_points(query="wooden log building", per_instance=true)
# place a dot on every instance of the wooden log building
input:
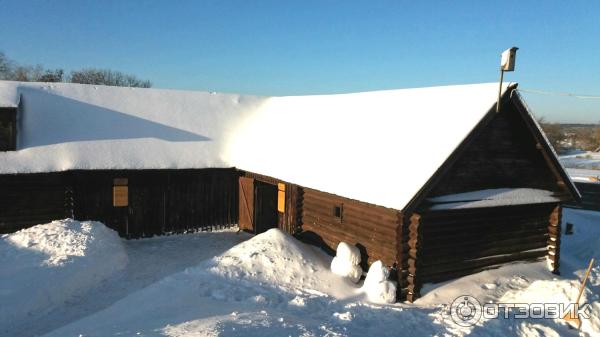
(433, 181)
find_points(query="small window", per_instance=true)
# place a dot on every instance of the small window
(338, 212)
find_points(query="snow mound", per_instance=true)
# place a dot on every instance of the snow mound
(46, 265)
(345, 269)
(277, 258)
(346, 261)
(558, 291)
(347, 252)
(377, 287)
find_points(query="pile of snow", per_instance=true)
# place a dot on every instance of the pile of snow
(273, 285)
(277, 258)
(377, 286)
(493, 197)
(43, 266)
(558, 291)
(346, 262)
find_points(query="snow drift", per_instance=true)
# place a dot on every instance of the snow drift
(274, 285)
(279, 259)
(346, 262)
(43, 266)
(377, 286)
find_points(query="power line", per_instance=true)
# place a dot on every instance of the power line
(554, 93)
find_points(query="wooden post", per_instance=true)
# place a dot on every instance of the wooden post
(554, 231)
(412, 280)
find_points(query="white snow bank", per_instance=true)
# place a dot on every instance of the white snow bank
(493, 197)
(377, 286)
(346, 262)
(344, 268)
(260, 298)
(347, 252)
(557, 291)
(43, 266)
(277, 258)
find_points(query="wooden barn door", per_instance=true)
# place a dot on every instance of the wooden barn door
(246, 204)
(265, 207)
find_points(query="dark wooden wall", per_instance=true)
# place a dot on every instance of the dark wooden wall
(160, 201)
(30, 199)
(503, 154)
(8, 129)
(590, 196)
(448, 244)
(374, 229)
(289, 221)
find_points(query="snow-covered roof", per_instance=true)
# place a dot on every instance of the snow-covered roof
(584, 175)
(379, 147)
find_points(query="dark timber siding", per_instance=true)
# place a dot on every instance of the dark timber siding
(30, 199)
(374, 229)
(452, 243)
(289, 221)
(504, 154)
(160, 201)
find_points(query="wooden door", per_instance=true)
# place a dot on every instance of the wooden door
(265, 207)
(246, 204)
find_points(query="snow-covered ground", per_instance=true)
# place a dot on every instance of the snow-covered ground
(273, 285)
(45, 266)
(146, 262)
(589, 161)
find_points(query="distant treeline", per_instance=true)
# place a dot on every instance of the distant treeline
(564, 137)
(13, 71)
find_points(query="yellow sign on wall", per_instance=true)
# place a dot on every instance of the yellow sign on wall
(120, 196)
(281, 197)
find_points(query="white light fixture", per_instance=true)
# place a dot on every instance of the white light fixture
(507, 63)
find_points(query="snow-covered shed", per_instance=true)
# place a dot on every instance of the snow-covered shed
(432, 181)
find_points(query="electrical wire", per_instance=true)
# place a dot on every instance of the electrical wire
(553, 93)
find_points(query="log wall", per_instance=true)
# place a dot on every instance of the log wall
(447, 244)
(160, 201)
(31, 199)
(374, 229)
(503, 154)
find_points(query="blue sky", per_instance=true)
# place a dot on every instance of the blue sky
(309, 47)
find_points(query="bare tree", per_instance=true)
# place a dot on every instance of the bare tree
(107, 77)
(554, 133)
(6, 66)
(9, 70)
